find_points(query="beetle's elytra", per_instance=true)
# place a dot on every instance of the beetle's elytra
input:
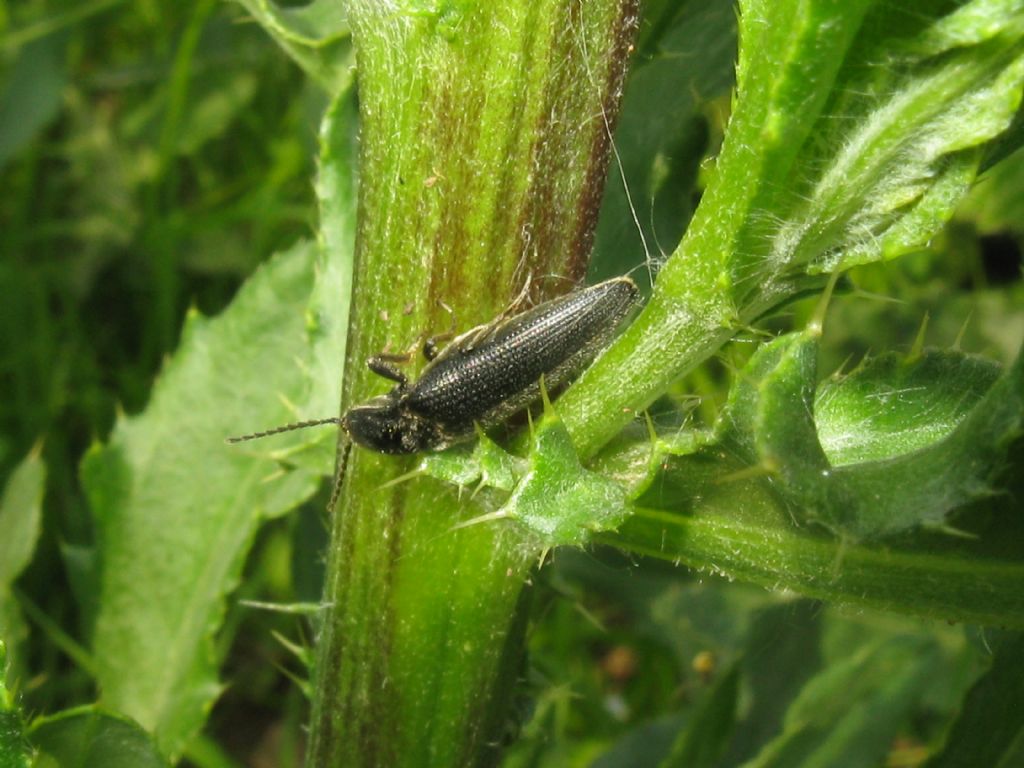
(487, 374)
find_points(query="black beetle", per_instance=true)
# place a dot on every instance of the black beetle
(485, 375)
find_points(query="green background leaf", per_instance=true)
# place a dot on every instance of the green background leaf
(90, 739)
(988, 731)
(176, 509)
(20, 526)
(849, 713)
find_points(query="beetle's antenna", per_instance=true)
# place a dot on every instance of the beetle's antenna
(339, 475)
(286, 428)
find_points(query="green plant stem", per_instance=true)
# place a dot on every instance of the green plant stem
(937, 585)
(797, 193)
(704, 294)
(481, 166)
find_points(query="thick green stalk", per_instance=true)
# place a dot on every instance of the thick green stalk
(481, 165)
(945, 583)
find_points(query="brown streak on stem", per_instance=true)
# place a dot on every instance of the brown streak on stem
(624, 33)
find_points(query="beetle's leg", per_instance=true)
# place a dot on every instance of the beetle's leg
(486, 330)
(430, 349)
(399, 357)
(519, 300)
(382, 365)
(514, 307)
(395, 357)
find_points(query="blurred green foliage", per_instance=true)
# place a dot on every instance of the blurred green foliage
(151, 156)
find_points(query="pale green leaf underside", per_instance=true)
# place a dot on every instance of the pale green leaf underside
(899, 140)
(914, 439)
(894, 445)
(907, 445)
(890, 406)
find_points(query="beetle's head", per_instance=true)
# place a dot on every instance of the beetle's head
(384, 425)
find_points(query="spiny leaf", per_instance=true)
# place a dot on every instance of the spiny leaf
(900, 138)
(176, 508)
(736, 505)
(890, 405)
(484, 464)
(558, 500)
(912, 156)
